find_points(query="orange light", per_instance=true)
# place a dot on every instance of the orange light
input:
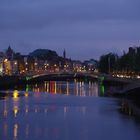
(26, 94)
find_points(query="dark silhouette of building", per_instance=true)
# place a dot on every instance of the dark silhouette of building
(9, 53)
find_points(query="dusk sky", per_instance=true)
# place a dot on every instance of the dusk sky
(85, 28)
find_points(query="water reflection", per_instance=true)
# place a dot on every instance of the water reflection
(59, 117)
(5, 110)
(79, 88)
(129, 108)
(26, 94)
(27, 130)
(15, 94)
(15, 131)
(102, 89)
(5, 128)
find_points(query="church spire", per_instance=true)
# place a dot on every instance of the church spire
(9, 52)
(64, 54)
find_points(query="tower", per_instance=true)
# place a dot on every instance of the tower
(9, 53)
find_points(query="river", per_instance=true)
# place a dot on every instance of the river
(58, 110)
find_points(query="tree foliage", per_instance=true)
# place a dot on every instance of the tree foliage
(44, 54)
(128, 62)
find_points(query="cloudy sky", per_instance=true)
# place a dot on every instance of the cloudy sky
(85, 28)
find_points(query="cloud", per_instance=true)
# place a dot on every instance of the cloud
(39, 14)
(70, 24)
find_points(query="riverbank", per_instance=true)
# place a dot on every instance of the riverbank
(130, 107)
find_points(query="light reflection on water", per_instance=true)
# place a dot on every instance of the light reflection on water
(27, 115)
(24, 119)
(73, 88)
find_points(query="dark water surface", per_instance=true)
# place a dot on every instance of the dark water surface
(64, 111)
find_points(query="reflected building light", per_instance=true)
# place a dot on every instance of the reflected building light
(27, 130)
(80, 84)
(67, 88)
(15, 131)
(16, 110)
(5, 113)
(45, 110)
(47, 86)
(65, 111)
(36, 110)
(5, 128)
(26, 109)
(15, 94)
(80, 88)
(55, 88)
(26, 94)
(91, 90)
(89, 84)
(83, 83)
(96, 90)
(38, 90)
(77, 89)
(83, 91)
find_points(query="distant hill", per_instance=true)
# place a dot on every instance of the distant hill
(43, 54)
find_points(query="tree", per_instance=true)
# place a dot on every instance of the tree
(107, 63)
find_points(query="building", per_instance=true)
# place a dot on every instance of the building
(9, 53)
(91, 65)
(2, 57)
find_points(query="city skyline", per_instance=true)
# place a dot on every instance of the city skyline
(85, 28)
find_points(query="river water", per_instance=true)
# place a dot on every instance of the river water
(71, 110)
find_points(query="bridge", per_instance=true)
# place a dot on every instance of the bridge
(61, 76)
(131, 89)
(131, 86)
